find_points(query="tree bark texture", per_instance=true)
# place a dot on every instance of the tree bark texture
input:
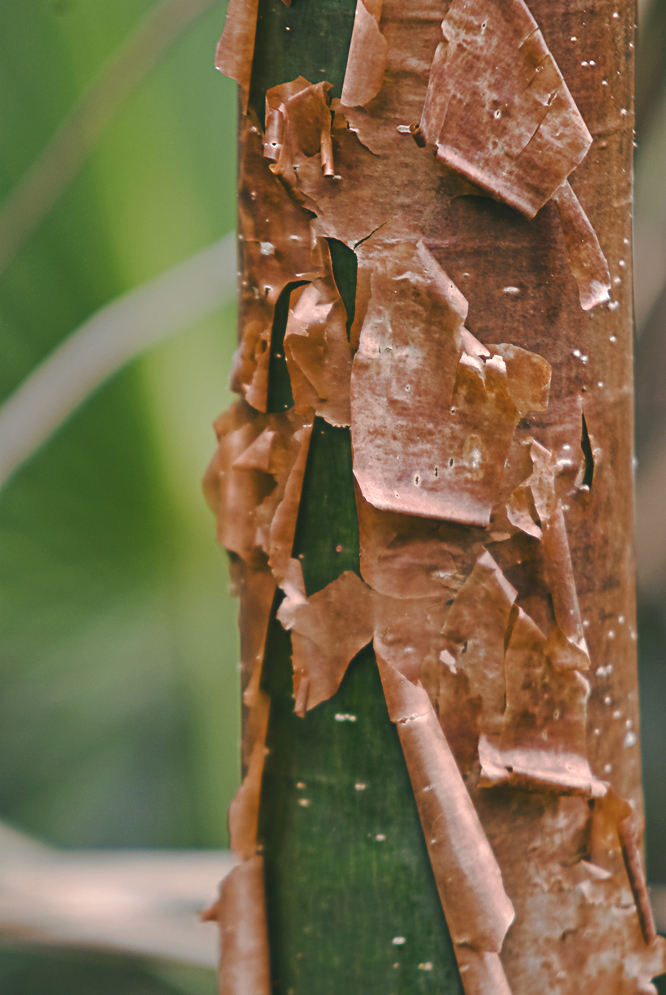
(426, 492)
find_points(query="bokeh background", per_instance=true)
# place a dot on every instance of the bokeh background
(118, 679)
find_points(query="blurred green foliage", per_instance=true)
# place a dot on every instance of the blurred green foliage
(23, 973)
(118, 687)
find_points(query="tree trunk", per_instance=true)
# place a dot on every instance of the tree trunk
(426, 493)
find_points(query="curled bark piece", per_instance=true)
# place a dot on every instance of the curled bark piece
(628, 833)
(366, 61)
(413, 453)
(318, 353)
(403, 371)
(288, 454)
(566, 646)
(275, 251)
(260, 460)
(477, 909)
(543, 740)
(500, 113)
(284, 520)
(495, 387)
(497, 107)
(586, 260)
(244, 808)
(522, 562)
(615, 820)
(235, 49)
(298, 121)
(521, 512)
(469, 690)
(541, 479)
(235, 493)
(481, 972)
(572, 651)
(410, 557)
(241, 914)
(474, 639)
(327, 629)
(255, 586)
(528, 376)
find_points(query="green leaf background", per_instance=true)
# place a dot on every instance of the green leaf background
(118, 686)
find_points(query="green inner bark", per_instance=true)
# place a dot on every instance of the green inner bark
(352, 903)
(311, 39)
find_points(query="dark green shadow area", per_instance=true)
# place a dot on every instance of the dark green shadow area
(345, 270)
(63, 972)
(310, 39)
(652, 687)
(352, 902)
(280, 396)
(326, 540)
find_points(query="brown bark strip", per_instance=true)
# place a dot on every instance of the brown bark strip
(241, 914)
(244, 808)
(629, 842)
(477, 908)
(587, 261)
(255, 587)
(566, 642)
(283, 524)
(367, 56)
(485, 589)
(474, 635)
(235, 49)
(559, 570)
(240, 910)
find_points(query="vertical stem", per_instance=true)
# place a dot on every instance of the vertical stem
(488, 843)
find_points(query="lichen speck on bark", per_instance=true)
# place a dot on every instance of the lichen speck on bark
(425, 489)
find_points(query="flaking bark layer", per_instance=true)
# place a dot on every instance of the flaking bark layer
(486, 377)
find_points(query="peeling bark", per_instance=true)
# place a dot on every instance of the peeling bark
(499, 112)
(298, 122)
(366, 61)
(317, 350)
(484, 390)
(477, 908)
